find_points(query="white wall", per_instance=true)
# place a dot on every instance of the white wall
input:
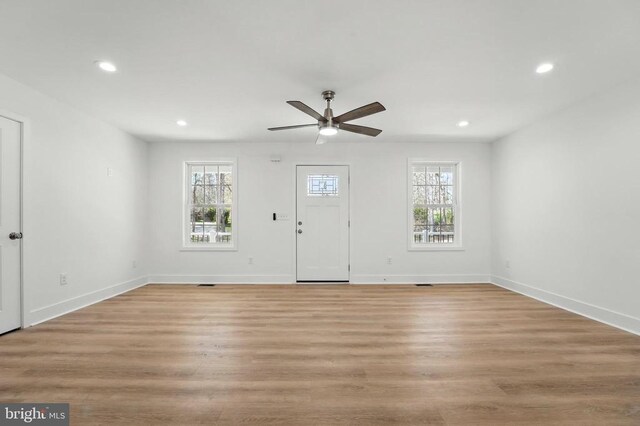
(566, 208)
(378, 212)
(76, 219)
(561, 196)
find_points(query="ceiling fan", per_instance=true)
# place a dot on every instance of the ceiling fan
(329, 125)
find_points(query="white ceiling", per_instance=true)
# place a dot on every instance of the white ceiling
(227, 67)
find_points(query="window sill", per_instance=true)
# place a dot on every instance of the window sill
(211, 248)
(436, 248)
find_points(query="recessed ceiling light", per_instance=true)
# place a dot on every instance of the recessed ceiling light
(181, 123)
(106, 66)
(544, 68)
(463, 123)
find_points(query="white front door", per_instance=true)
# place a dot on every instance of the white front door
(10, 299)
(322, 220)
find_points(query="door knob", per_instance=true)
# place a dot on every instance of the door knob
(15, 236)
(299, 231)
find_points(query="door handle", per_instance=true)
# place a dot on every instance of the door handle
(299, 231)
(15, 236)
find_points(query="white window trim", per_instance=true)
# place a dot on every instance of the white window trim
(457, 246)
(186, 214)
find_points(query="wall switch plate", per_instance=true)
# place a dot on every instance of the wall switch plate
(63, 279)
(109, 171)
(389, 261)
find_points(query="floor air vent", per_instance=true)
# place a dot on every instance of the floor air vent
(424, 285)
(206, 285)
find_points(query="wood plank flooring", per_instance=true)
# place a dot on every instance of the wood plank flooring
(326, 355)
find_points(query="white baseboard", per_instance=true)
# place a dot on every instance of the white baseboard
(606, 316)
(597, 313)
(46, 313)
(420, 279)
(221, 279)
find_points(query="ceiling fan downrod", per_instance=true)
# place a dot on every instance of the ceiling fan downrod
(328, 95)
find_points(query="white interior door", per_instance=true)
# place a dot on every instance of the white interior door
(10, 232)
(322, 219)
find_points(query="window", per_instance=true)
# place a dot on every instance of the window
(322, 185)
(210, 212)
(434, 208)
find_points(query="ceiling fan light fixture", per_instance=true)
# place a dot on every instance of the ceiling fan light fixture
(328, 131)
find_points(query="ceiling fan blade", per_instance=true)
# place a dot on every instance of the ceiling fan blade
(363, 130)
(363, 111)
(292, 127)
(307, 110)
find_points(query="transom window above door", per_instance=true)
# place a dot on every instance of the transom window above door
(210, 212)
(434, 207)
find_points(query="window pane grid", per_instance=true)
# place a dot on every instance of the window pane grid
(209, 203)
(434, 203)
(322, 185)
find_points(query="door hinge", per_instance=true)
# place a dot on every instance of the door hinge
(349, 268)
(349, 223)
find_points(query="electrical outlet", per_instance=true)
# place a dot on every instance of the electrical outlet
(250, 260)
(134, 264)
(63, 279)
(389, 261)
(109, 171)
(507, 264)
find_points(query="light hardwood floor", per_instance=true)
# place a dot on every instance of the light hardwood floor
(304, 355)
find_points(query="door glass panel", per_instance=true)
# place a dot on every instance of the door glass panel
(322, 185)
